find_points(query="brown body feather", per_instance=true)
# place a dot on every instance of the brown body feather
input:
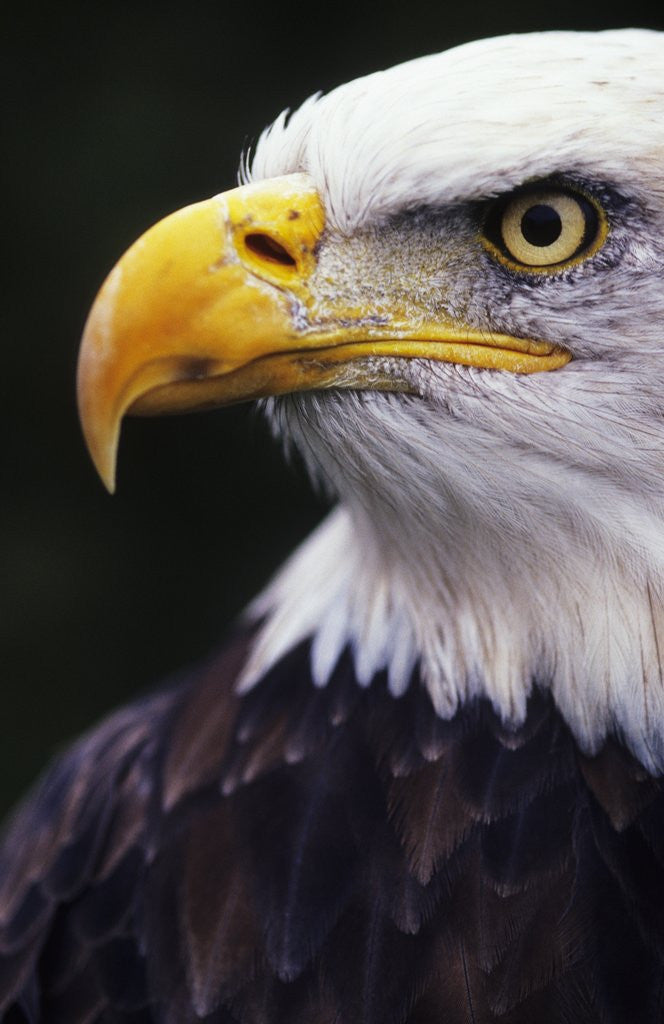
(332, 856)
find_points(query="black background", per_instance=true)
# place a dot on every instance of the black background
(116, 114)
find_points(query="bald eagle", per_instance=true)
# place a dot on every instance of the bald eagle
(422, 781)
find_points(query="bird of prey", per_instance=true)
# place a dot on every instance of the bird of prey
(422, 781)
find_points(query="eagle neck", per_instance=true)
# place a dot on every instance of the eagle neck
(471, 618)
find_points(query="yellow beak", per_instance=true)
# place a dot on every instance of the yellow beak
(215, 305)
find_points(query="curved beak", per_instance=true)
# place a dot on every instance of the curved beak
(206, 292)
(217, 304)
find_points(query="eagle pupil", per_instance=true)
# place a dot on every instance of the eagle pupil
(541, 225)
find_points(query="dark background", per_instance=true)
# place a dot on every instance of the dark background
(116, 114)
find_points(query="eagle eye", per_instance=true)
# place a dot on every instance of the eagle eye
(544, 228)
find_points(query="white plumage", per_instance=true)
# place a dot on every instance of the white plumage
(276, 838)
(528, 512)
(478, 120)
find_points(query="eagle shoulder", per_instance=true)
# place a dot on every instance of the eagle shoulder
(332, 854)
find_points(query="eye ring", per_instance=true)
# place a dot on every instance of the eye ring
(544, 229)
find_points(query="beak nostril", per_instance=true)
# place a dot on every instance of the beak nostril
(266, 248)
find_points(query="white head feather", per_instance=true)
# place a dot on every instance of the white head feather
(498, 531)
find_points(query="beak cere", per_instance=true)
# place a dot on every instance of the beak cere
(205, 292)
(216, 304)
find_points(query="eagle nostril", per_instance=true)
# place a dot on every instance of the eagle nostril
(266, 248)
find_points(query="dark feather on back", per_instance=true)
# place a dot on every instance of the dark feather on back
(332, 856)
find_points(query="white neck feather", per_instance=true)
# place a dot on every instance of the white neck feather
(486, 599)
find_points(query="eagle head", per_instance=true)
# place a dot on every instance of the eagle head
(445, 282)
